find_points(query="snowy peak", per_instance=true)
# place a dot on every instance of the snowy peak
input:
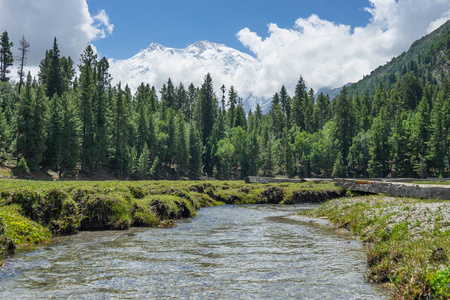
(155, 64)
(202, 46)
(155, 47)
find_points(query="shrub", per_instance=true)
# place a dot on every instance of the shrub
(22, 167)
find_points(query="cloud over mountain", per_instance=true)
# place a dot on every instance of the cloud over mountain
(157, 63)
(329, 54)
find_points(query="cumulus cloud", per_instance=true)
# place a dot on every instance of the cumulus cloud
(331, 55)
(40, 21)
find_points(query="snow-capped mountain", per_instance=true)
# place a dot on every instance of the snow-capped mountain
(157, 63)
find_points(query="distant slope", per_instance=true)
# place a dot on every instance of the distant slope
(428, 58)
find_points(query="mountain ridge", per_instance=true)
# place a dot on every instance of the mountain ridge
(431, 52)
(227, 65)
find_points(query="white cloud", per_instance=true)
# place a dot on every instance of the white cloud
(40, 21)
(329, 54)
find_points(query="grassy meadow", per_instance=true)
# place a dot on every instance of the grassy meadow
(33, 211)
(408, 241)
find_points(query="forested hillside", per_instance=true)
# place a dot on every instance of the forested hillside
(395, 122)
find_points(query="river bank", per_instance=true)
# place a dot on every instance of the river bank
(408, 241)
(31, 212)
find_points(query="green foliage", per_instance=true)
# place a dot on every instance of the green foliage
(440, 282)
(224, 155)
(392, 123)
(22, 167)
(31, 210)
(6, 56)
(402, 246)
(143, 165)
(20, 229)
(379, 146)
(339, 170)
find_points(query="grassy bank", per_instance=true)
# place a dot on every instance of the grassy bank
(32, 211)
(408, 241)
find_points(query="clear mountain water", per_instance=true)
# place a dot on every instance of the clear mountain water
(231, 252)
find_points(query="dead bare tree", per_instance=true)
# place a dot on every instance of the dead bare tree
(24, 45)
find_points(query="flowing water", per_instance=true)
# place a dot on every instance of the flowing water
(231, 252)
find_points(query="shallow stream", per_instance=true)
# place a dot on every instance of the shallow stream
(231, 252)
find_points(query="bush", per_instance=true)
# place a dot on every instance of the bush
(22, 167)
(440, 284)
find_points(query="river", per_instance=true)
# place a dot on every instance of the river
(228, 252)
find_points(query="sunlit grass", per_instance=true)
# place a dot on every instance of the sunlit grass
(403, 237)
(62, 207)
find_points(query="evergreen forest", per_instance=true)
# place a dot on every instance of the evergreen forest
(71, 120)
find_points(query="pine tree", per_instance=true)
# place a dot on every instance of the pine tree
(31, 125)
(71, 137)
(422, 133)
(25, 118)
(345, 123)
(53, 154)
(54, 81)
(102, 111)
(205, 115)
(87, 91)
(181, 101)
(169, 95)
(277, 116)
(379, 149)
(182, 153)
(171, 140)
(143, 166)
(289, 165)
(232, 96)
(320, 114)
(239, 142)
(439, 140)
(253, 153)
(268, 160)
(6, 57)
(121, 132)
(192, 95)
(240, 119)
(142, 125)
(379, 100)
(365, 120)
(339, 170)
(401, 152)
(298, 104)
(195, 153)
(4, 131)
(38, 145)
(308, 108)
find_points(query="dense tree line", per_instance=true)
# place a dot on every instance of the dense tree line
(69, 124)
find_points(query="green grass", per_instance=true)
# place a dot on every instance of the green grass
(400, 246)
(5, 173)
(34, 210)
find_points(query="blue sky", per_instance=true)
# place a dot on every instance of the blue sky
(180, 23)
(328, 42)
